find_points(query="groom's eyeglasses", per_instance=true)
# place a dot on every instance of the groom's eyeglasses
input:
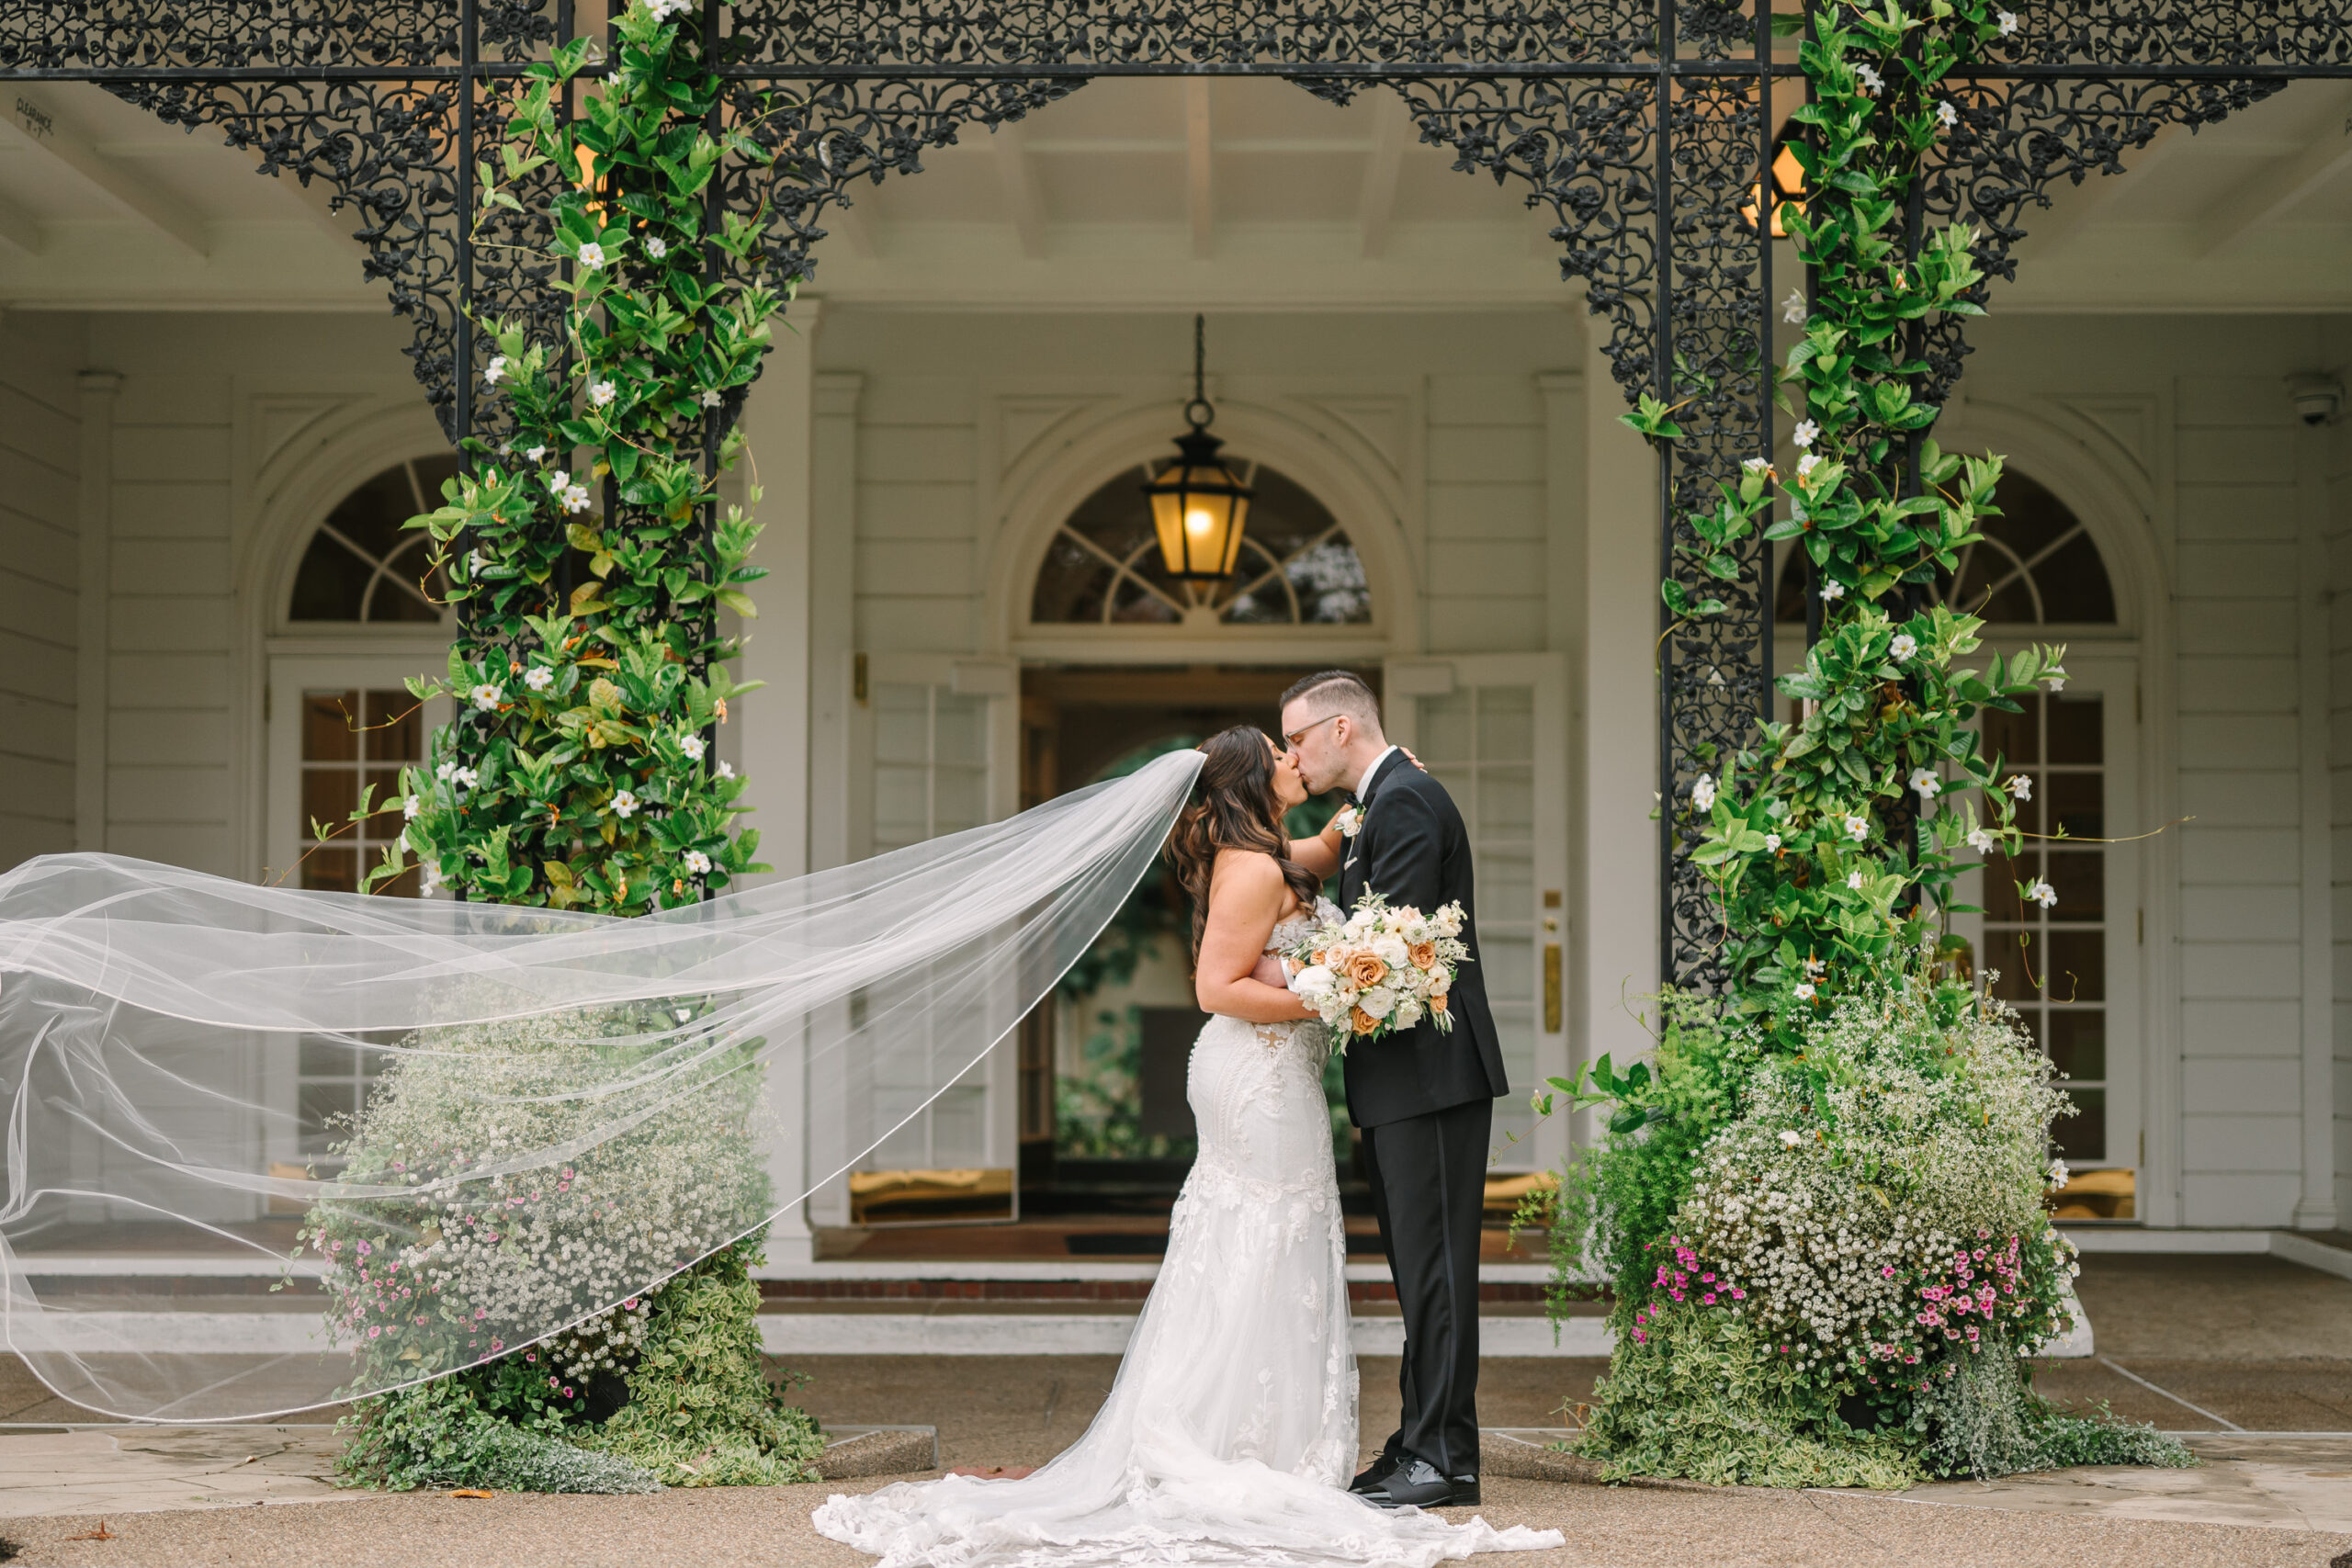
(1295, 735)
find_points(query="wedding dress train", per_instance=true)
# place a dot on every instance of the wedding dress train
(1230, 1430)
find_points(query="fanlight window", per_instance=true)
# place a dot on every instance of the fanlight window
(361, 566)
(2036, 565)
(1297, 565)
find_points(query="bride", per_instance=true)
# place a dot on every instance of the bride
(1230, 1430)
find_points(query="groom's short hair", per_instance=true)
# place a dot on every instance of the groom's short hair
(1338, 691)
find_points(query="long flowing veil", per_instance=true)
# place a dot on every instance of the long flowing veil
(562, 1110)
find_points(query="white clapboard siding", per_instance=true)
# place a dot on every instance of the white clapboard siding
(39, 573)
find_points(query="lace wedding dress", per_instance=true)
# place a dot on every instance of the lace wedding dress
(1230, 1431)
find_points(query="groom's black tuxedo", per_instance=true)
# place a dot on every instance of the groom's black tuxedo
(1413, 848)
(1426, 1104)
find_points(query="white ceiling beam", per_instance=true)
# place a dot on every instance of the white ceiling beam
(1376, 203)
(18, 230)
(314, 200)
(2066, 221)
(2280, 188)
(1200, 196)
(29, 121)
(1025, 203)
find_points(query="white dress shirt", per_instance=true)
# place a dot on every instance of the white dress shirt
(1365, 777)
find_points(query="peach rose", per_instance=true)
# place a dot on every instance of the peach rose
(1436, 1001)
(1423, 954)
(1364, 1021)
(1364, 970)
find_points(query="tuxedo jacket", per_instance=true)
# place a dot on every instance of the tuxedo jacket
(1414, 849)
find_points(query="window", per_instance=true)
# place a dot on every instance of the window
(1297, 565)
(362, 565)
(2036, 566)
(351, 739)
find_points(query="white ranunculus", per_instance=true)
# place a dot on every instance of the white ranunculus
(1313, 982)
(1390, 950)
(1379, 1001)
(1409, 1013)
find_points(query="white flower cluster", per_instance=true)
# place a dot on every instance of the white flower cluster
(1858, 1173)
(1381, 969)
(559, 1168)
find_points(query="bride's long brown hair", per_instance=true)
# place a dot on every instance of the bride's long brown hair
(1232, 807)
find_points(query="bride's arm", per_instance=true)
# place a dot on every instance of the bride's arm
(1244, 898)
(1319, 854)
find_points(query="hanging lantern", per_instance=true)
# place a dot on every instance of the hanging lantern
(1782, 186)
(1198, 505)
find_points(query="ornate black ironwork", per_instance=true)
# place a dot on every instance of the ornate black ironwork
(1641, 127)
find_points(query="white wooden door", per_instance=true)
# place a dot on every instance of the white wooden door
(1493, 729)
(938, 747)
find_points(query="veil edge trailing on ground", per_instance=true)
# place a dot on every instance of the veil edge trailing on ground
(557, 1109)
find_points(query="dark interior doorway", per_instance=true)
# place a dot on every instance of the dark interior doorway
(1079, 724)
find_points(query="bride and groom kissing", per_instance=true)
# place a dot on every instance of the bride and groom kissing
(1230, 1430)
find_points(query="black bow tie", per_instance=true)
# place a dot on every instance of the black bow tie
(1348, 802)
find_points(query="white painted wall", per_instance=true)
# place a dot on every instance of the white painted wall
(40, 575)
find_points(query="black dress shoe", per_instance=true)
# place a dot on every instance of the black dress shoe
(1417, 1483)
(1369, 1483)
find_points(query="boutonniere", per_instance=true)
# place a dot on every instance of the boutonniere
(1348, 820)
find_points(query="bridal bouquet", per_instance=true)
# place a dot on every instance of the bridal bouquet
(1381, 970)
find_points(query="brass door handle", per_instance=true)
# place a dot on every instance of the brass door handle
(1551, 987)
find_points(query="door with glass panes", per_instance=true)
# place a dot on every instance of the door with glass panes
(1493, 729)
(336, 725)
(935, 759)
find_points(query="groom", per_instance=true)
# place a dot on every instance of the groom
(1424, 1099)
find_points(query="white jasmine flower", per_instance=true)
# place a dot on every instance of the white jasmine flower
(1903, 646)
(2055, 683)
(1867, 74)
(711, 397)
(465, 778)
(557, 480)
(1757, 465)
(1947, 114)
(694, 746)
(485, 696)
(656, 246)
(447, 770)
(2022, 786)
(575, 498)
(592, 255)
(2007, 20)
(697, 863)
(1792, 308)
(1804, 433)
(726, 769)
(1702, 794)
(1979, 841)
(600, 392)
(1807, 464)
(539, 678)
(1858, 829)
(1815, 968)
(2042, 894)
(1927, 786)
(431, 883)
(496, 371)
(535, 453)
(1772, 840)
(625, 805)
(1832, 588)
(1854, 880)
(1804, 993)
(412, 805)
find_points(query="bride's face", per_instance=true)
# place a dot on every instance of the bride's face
(1289, 788)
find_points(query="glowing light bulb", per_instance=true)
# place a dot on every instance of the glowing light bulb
(1198, 522)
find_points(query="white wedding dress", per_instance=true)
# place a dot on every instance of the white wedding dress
(1230, 1431)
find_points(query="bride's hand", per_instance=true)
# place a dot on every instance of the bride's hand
(1271, 972)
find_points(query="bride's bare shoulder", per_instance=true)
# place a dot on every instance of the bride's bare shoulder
(1246, 870)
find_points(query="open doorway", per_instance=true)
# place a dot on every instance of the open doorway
(1106, 1128)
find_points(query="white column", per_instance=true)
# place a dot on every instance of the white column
(832, 627)
(2316, 1209)
(1565, 564)
(777, 423)
(1617, 682)
(99, 390)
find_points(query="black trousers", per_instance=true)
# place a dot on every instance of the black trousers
(1429, 1186)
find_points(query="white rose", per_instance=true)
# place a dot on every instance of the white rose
(1379, 1001)
(1390, 950)
(1314, 982)
(1409, 1013)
